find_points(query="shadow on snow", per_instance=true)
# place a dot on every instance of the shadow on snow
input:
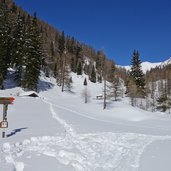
(15, 131)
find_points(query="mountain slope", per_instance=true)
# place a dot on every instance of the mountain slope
(167, 62)
(58, 131)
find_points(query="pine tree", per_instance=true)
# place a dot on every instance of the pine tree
(67, 80)
(73, 68)
(164, 103)
(52, 49)
(111, 72)
(61, 46)
(116, 88)
(5, 39)
(105, 95)
(153, 95)
(93, 75)
(132, 91)
(14, 8)
(72, 50)
(17, 48)
(100, 59)
(85, 92)
(98, 62)
(79, 68)
(137, 74)
(78, 51)
(55, 70)
(63, 78)
(85, 95)
(85, 82)
(33, 55)
(62, 61)
(99, 78)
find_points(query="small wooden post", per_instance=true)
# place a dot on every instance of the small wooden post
(3, 134)
(5, 108)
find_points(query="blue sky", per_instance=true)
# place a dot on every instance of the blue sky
(116, 26)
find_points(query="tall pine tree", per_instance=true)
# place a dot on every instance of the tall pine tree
(93, 75)
(61, 62)
(137, 75)
(17, 47)
(33, 55)
(79, 68)
(5, 39)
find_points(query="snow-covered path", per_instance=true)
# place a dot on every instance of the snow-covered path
(82, 152)
(120, 123)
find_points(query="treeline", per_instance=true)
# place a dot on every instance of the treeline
(159, 87)
(150, 90)
(29, 45)
(20, 47)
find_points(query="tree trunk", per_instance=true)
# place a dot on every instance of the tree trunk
(104, 103)
(63, 72)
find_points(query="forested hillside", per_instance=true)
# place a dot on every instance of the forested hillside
(29, 46)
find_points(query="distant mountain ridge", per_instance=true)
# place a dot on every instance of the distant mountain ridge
(167, 62)
(146, 66)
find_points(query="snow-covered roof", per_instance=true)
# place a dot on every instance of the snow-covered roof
(29, 93)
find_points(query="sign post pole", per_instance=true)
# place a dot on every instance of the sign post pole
(3, 134)
(5, 108)
(5, 101)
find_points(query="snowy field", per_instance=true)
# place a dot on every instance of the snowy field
(59, 132)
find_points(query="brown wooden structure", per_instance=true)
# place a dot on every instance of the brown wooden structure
(6, 100)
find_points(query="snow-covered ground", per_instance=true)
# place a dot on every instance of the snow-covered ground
(58, 131)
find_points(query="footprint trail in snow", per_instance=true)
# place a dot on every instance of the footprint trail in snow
(84, 152)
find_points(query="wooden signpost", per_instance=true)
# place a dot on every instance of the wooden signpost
(5, 101)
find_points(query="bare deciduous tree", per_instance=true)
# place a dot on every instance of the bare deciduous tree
(86, 95)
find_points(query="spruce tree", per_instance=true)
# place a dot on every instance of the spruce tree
(17, 47)
(61, 46)
(73, 68)
(136, 74)
(85, 82)
(93, 75)
(79, 68)
(78, 60)
(14, 8)
(67, 80)
(163, 103)
(5, 39)
(116, 88)
(100, 59)
(98, 62)
(33, 55)
(99, 78)
(52, 49)
(61, 61)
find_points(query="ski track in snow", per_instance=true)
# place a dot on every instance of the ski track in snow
(84, 152)
(107, 121)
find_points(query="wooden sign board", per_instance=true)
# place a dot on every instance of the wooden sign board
(4, 124)
(6, 100)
